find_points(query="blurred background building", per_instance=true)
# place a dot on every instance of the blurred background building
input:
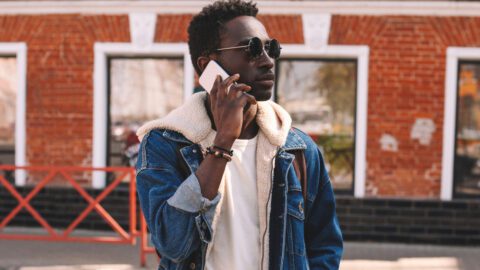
(389, 90)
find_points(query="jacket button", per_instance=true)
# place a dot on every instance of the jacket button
(192, 266)
(194, 150)
(280, 217)
(281, 184)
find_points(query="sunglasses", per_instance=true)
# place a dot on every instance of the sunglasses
(255, 48)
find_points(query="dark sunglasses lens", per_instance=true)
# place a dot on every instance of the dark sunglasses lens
(274, 49)
(255, 47)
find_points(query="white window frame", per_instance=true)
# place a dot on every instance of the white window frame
(454, 55)
(361, 53)
(19, 50)
(103, 51)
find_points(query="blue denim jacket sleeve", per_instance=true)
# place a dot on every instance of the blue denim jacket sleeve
(178, 216)
(323, 237)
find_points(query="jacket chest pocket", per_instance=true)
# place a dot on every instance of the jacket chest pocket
(295, 221)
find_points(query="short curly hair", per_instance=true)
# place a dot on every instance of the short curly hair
(204, 29)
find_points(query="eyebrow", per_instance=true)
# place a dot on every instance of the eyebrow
(246, 40)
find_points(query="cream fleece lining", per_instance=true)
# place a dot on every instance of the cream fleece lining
(192, 121)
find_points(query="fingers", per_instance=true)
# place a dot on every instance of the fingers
(238, 94)
(229, 90)
(214, 91)
(215, 86)
(228, 81)
(247, 98)
(236, 90)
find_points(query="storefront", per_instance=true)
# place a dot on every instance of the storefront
(389, 90)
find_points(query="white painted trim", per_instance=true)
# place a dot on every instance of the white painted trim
(189, 75)
(100, 98)
(19, 50)
(454, 54)
(316, 29)
(419, 8)
(361, 53)
(142, 28)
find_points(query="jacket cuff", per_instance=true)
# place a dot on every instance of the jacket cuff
(188, 197)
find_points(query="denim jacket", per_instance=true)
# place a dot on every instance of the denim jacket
(303, 234)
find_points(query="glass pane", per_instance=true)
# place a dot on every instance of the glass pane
(140, 90)
(8, 99)
(320, 97)
(467, 152)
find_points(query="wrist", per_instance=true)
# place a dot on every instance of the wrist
(213, 150)
(224, 141)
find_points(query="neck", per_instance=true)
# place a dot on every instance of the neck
(249, 125)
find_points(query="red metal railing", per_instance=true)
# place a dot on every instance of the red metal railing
(122, 237)
(144, 247)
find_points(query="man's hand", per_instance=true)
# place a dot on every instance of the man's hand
(227, 101)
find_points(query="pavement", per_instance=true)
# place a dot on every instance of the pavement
(41, 255)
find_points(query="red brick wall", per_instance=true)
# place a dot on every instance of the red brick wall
(60, 74)
(172, 28)
(285, 28)
(59, 81)
(406, 82)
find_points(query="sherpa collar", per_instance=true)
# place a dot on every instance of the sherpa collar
(191, 120)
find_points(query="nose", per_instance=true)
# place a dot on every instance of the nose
(265, 61)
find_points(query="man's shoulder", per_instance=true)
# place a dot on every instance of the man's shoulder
(163, 134)
(158, 141)
(310, 147)
(304, 138)
(158, 148)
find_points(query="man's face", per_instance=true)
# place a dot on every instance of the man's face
(255, 72)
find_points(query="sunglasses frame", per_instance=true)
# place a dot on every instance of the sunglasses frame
(265, 47)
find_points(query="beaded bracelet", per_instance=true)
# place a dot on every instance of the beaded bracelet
(230, 152)
(219, 154)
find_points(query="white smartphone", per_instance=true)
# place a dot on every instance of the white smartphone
(207, 79)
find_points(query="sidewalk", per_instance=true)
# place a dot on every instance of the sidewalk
(36, 255)
(376, 256)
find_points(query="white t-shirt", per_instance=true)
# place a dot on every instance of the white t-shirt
(236, 245)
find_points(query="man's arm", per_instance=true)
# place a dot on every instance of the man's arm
(226, 103)
(323, 237)
(177, 214)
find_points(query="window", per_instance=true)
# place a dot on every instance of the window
(320, 95)
(140, 89)
(467, 144)
(8, 99)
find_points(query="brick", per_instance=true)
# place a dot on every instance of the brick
(406, 77)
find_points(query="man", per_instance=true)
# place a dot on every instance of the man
(208, 207)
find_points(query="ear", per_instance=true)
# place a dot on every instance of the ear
(202, 62)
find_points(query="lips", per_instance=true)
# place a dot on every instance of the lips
(265, 81)
(266, 77)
